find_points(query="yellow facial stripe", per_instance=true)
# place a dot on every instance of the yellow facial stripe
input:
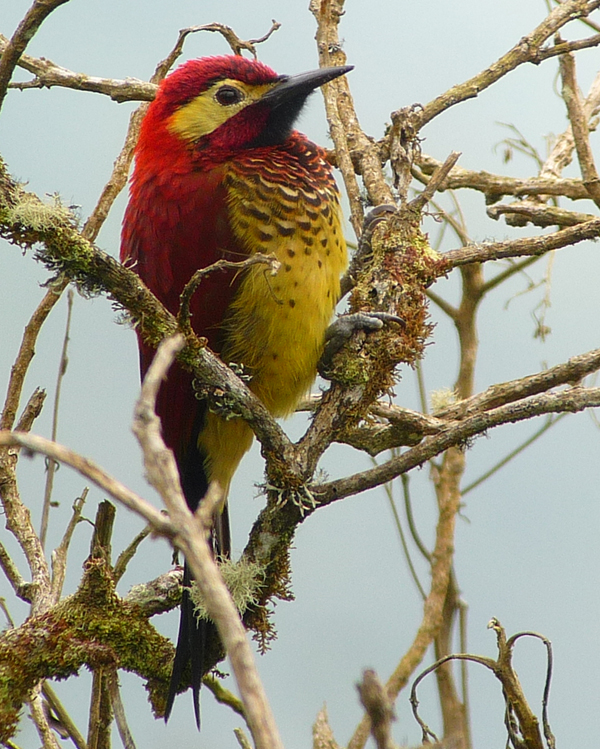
(205, 113)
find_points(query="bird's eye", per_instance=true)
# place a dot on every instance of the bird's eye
(228, 95)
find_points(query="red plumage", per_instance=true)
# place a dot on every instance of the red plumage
(210, 183)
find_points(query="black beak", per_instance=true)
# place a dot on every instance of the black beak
(300, 86)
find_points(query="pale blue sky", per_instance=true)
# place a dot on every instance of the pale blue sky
(527, 549)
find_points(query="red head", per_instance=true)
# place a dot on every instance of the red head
(212, 107)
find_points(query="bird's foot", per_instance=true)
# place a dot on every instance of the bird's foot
(341, 330)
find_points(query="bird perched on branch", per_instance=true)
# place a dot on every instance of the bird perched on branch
(220, 173)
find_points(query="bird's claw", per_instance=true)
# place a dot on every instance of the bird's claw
(342, 329)
(374, 216)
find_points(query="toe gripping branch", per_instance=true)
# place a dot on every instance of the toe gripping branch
(342, 329)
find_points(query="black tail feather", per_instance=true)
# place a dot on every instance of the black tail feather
(195, 634)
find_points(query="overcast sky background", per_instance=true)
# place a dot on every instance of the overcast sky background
(527, 549)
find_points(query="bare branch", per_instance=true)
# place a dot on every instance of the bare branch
(562, 151)
(481, 253)
(20, 586)
(63, 716)
(579, 126)
(49, 74)
(183, 317)
(119, 709)
(128, 553)
(540, 214)
(494, 186)
(40, 719)
(570, 372)
(573, 400)
(32, 410)
(25, 32)
(528, 49)
(59, 555)
(348, 136)
(435, 183)
(93, 472)
(374, 699)
(191, 538)
(159, 595)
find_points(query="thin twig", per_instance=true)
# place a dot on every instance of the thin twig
(435, 183)
(119, 709)
(128, 553)
(59, 556)
(411, 519)
(51, 466)
(64, 717)
(224, 696)
(24, 33)
(93, 472)
(6, 612)
(27, 352)
(413, 572)
(577, 118)
(514, 268)
(258, 258)
(550, 740)
(523, 246)
(550, 422)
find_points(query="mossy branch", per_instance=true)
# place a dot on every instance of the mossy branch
(94, 628)
(52, 230)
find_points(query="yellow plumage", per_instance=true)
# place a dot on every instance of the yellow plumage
(277, 323)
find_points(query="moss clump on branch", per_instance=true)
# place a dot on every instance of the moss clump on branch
(94, 628)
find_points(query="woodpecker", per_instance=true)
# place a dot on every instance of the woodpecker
(221, 173)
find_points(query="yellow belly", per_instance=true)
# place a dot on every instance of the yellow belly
(276, 323)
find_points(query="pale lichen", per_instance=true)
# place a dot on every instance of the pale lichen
(244, 580)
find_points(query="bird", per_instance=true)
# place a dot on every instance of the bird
(221, 173)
